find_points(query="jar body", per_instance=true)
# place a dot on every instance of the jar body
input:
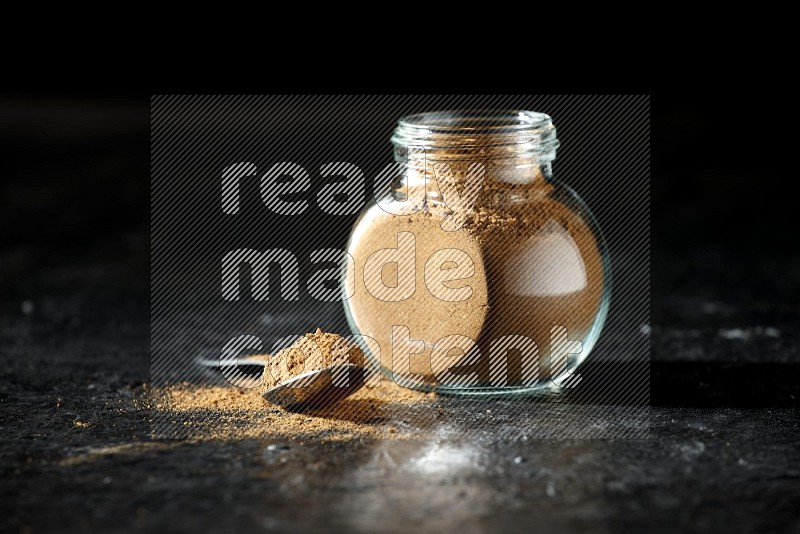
(503, 294)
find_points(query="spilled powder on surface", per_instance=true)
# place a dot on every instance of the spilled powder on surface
(220, 412)
(224, 412)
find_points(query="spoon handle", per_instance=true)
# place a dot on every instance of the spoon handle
(216, 364)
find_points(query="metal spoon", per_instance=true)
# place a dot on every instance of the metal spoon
(311, 390)
(317, 389)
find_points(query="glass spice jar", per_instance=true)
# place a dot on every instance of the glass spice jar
(476, 272)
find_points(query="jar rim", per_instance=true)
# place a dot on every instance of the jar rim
(482, 133)
(476, 121)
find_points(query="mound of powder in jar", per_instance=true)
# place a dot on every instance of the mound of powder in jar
(313, 351)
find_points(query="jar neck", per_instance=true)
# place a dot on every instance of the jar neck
(507, 150)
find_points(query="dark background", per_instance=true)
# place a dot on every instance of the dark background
(74, 321)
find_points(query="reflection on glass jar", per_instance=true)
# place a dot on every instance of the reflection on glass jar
(476, 272)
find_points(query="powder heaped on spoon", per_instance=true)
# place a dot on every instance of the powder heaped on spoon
(311, 352)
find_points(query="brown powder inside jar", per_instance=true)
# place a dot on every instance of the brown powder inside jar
(537, 265)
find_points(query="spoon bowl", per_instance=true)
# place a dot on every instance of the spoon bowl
(317, 389)
(307, 391)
